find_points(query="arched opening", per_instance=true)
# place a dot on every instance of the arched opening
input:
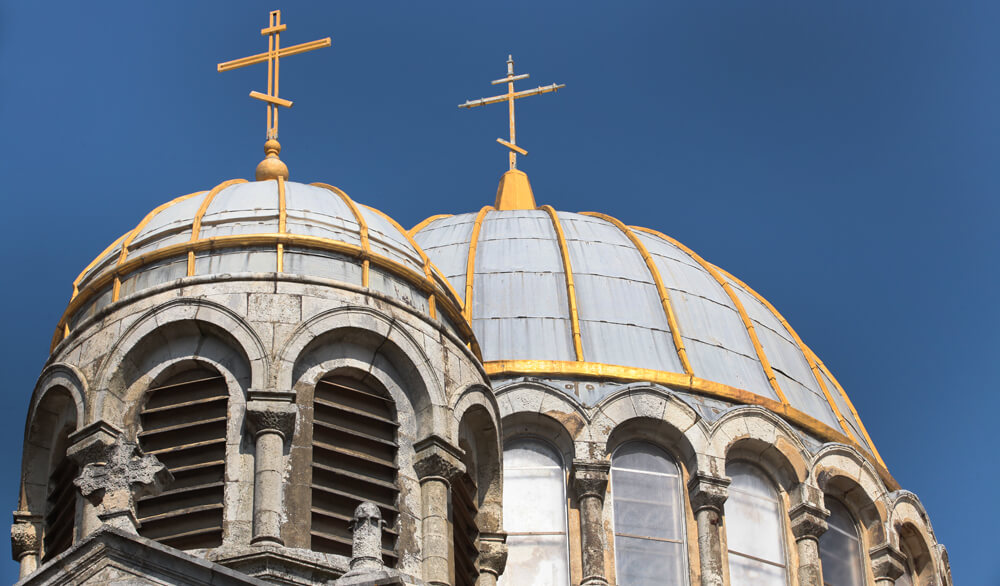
(840, 547)
(534, 504)
(918, 568)
(754, 528)
(464, 507)
(60, 499)
(354, 448)
(647, 494)
(183, 423)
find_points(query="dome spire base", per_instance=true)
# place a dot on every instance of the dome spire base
(514, 192)
(272, 167)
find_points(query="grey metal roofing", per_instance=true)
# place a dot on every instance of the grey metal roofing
(521, 311)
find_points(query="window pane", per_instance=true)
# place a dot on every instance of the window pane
(534, 501)
(840, 548)
(754, 528)
(646, 497)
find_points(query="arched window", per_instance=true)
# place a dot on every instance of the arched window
(534, 514)
(648, 516)
(60, 501)
(754, 529)
(353, 460)
(184, 425)
(840, 548)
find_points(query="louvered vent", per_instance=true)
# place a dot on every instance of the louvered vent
(60, 509)
(184, 425)
(354, 460)
(465, 531)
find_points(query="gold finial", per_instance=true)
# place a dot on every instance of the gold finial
(272, 167)
(509, 97)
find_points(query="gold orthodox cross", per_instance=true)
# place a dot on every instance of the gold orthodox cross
(509, 97)
(273, 55)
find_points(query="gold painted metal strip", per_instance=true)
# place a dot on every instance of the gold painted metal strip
(282, 222)
(747, 322)
(362, 228)
(423, 257)
(512, 146)
(271, 99)
(680, 381)
(423, 224)
(470, 263)
(574, 313)
(668, 307)
(76, 281)
(802, 347)
(850, 405)
(452, 309)
(262, 57)
(196, 223)
(273, 29)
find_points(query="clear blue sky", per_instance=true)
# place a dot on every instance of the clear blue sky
(838, 157)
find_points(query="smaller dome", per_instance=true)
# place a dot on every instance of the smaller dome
(278, 226)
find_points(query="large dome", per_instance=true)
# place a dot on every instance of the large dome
(274, 226)
(581, 294)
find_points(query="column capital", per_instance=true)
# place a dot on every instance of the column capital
(115, 482)
(590, 478)
(492, 553)
(887, 561)
(24, 538)
(271, 416)
(708, 492)
(92, 443)
(807, 514)
(436, 458)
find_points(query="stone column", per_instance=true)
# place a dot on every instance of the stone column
(437, 465)
(590, 482)
(271, 422)
(887, 564)
(808, 519)
(25, 543)
(90, 444)
(492, 558)
(708, 494)
(113, 484)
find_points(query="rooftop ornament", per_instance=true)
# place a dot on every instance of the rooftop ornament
(272, 167)
(514, 192)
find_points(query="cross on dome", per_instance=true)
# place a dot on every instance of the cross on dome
(272, 167)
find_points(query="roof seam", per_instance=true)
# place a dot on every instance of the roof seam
(764, 362)
(570, 286)
(362, 229)
(470, 262)
(196, 221)
(661, 289)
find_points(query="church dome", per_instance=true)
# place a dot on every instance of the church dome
(313, 231)
(581, 295)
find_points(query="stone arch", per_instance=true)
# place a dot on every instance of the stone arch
(842, 472)
(912, 531)
(56, 411)
(756, 435)
(366, 339)
(169, 333)
(560, 419)
(477, 419)
(640, 412)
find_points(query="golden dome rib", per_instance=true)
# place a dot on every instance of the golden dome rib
(196, 223)
(850, 406)
(423, 224)
(470, 263)
(668, 307)
(802, 348)
(282, 222)
(747, 323)
(86, 269)
(362, 231)
(574, 313)
(423, 257)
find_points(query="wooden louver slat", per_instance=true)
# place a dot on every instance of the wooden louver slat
(465, 532)
(60, 509)
(184, 425)
(353, 460)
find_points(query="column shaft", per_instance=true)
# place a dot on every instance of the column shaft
(436, 530)
(267, 489)
(809, 570)
(592, 533)
(709, 547)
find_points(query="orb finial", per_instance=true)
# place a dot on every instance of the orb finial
(271, 167)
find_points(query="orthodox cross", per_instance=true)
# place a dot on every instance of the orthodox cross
(274, 53)
(509, 97)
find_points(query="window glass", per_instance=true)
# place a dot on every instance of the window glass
(840, 548)
(534, 514)
(648, 516)
(754, 530)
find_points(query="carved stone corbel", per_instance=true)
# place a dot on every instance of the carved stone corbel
(888, 563)
(492, 557)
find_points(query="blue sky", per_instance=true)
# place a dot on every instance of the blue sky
(838, 157)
